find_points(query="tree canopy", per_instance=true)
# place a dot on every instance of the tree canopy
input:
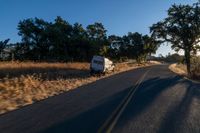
(181, 28)
(3, 44)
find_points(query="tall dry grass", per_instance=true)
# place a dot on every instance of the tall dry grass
(179, 69)
(195, 68)
(24, 83)
(44, 70)
(182, 69)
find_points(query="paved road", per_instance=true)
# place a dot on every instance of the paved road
(163, 102)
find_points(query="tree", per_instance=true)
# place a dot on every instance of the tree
(79, 46)
(150, 45)
(96, 32)
(181, 28)
(60, 34)
(3, 44)
(134, 46)
(114, 38)
(43, 40)
(97, 38)
(138, 46)
(34, 37)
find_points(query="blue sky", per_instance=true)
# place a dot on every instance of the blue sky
(118, 16)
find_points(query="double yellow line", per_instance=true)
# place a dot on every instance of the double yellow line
(114, 117)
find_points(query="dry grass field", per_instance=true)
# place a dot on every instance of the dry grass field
(182, 70)
(23, 83)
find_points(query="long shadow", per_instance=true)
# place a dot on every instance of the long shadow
(90, 120)
(196, 90)
(175, 117)
(148, 92)
(144, 98)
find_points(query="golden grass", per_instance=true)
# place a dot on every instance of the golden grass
(23, 83)
(179, 69)
(74, 65)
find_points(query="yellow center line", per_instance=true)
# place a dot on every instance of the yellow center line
(112, 120)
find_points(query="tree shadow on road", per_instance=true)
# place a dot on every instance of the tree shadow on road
(90, 120)
(176, 118)
(145, 97)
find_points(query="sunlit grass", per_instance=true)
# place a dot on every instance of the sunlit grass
(182, 69)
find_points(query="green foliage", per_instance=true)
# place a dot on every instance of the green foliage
(61, 41)
(34, 38)
(3, 44)
(114, 38)
(96, 32)
(138, 46)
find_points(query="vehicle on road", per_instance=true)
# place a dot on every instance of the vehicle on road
(101, 64)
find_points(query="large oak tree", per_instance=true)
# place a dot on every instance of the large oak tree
(181, 28)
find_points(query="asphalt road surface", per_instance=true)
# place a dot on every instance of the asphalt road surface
(162, 103)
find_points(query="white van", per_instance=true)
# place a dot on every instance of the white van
(101, 64)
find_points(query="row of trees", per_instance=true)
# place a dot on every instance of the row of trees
(61, 41)
(136, 46)
(3, 44)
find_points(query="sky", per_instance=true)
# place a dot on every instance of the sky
(118, 16)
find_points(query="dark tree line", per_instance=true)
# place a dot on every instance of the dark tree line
(62, 41)
(3, 44)
(135, 46)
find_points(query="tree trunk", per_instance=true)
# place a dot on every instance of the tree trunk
(187, 60)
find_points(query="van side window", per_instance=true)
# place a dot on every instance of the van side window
(98, 62)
